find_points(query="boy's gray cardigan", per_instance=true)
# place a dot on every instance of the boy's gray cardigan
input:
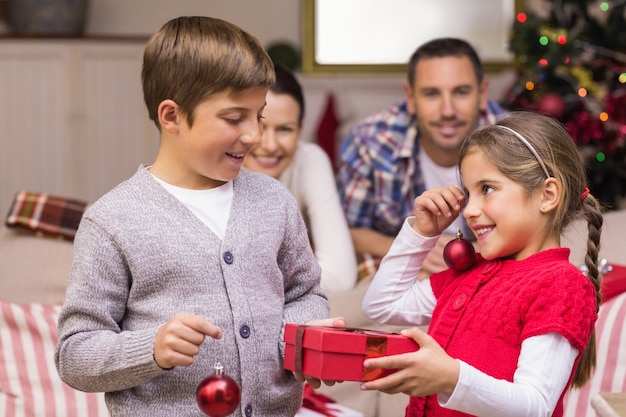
(141, 257)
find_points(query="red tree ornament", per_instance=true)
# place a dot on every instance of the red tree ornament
(218, 395)
(459, 253)
(552, 104)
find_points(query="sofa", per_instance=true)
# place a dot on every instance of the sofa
(34, 267)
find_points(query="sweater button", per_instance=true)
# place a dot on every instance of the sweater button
(459, 302)
(228, 258)
(248, 410)
(244, 331)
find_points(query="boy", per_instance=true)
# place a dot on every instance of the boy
(191, 246)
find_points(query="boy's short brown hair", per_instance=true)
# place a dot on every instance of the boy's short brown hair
(189, 59)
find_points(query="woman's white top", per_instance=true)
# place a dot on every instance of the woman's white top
(311, 179)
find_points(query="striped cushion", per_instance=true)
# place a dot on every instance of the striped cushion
(45, 214)
(29, 383)
(610, 374)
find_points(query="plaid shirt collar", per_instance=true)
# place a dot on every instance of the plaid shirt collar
(408, 145)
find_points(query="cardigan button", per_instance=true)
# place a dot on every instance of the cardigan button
(228, 258)
(459, 302)
(248, 410)
(244, 331)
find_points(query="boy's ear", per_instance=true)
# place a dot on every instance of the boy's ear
(551, 195)
(169, 116)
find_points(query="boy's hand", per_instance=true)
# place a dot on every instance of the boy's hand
(436, 209)
(179, 340)
(331, 322)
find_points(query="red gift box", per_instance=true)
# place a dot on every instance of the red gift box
(613, 281)
(337, 354)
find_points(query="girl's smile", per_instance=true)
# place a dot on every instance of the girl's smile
(505, 219)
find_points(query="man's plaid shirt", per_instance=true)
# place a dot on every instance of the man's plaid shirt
(379, 173)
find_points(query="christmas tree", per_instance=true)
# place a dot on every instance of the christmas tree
(571, 64)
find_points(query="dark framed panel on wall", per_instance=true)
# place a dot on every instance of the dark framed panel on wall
(379, 36)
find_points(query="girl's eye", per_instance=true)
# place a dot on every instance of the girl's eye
(487, 189)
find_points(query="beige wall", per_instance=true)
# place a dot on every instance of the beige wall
(268, 20)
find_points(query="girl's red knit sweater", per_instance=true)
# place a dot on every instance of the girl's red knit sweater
(483, 315)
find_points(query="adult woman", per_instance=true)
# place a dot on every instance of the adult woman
(306, 171)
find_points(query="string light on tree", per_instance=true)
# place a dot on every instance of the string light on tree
(571, 64)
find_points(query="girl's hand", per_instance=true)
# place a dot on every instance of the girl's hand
(436, 209)
(427, 371)
(179, 340)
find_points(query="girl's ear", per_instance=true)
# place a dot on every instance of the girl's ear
(551, 195)
(169, 116)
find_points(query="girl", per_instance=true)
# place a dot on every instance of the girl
(510, 334)
(305, 169)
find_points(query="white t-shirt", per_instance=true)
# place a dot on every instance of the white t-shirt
(211, 206)
(437, 176)
(311, 180)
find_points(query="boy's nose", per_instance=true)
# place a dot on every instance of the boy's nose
(252, 135)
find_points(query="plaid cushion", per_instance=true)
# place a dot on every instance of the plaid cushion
(46, 215)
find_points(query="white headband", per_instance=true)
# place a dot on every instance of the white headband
(529, 146)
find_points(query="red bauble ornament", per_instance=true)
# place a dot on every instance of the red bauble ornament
(459, 253)
(552, 104)
(218, 395)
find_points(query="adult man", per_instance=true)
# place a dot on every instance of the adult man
(395, 154)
